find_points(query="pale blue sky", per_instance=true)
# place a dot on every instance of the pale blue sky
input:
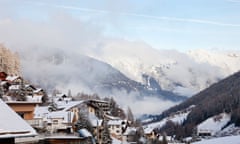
(163, 24)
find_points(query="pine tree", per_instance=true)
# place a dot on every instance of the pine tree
(83, 122)
(45, 98)
(130, 116)
(115, 110)
(113, 107)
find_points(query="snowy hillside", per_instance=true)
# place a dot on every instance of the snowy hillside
(182, 73)
(221, 140)
(226, 60)
(177, 117)
(214, 124)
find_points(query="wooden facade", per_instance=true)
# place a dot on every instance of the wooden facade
(24, 109)
(64, 140)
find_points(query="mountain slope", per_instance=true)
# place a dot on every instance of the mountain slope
(223, 96)
(179, 72)
(82, 73)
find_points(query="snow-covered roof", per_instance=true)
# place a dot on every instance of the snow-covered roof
(14, 87)
(3, 82)
(66, 116)
(12, 78)
(84, 133)
(34, 98)
(115, 122)
(60, 95)
(111, 117)
(22, 102)
(66, 105)
(37, 90)
(148, 130)
(30, 86)
(40, 111)
(12, 125)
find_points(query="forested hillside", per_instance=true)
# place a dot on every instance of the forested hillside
(223, 96)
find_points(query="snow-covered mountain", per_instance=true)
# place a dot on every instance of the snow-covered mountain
(85, 74)
(120, 68)
(184, 73)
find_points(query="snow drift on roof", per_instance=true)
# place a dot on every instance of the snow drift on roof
(12, 125)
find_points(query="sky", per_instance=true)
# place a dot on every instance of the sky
(162, 24)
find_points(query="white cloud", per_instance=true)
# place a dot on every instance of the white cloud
(146, 16)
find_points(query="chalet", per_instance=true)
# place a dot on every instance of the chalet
(62, 119)
(150, 133)
(204, 133)
(40, 118)
(117, 128)
(12, 126)
(29, 89)
(71, 106)
(62, 97)
(24, 108)
(38, 92)
(129, 134)
(14, 80)
(60, 122)
(98, 107)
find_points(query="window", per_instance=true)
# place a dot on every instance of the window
(55, 121)
(21, 114)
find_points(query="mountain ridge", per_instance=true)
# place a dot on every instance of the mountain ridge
(184, 73)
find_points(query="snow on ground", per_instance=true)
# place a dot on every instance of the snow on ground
(221, 140)
(177, 118)
(230, 130)
(116, 141)
(214, 124)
